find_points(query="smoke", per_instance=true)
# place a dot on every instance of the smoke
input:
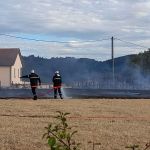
(127, 76)
(63, 93)
(91, 74)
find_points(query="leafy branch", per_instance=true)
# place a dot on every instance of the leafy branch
(60, 136)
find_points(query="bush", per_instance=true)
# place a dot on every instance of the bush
(59, 136)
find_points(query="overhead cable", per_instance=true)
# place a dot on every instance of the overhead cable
(50, 41)
(138, 45)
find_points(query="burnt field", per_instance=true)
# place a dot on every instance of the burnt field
(70, 93)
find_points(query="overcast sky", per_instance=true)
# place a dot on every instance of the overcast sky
(75, 21)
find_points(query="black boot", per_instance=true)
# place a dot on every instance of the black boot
(35, 97)
(61, 96)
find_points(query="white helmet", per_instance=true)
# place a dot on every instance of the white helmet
(56, 72)
(32, 71)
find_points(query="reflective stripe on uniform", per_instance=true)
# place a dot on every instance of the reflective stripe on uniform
(33, 85)
(34, 77)
(56, 87)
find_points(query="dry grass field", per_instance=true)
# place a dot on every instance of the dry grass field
(114, 123)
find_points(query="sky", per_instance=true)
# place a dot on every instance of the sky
(75, 28)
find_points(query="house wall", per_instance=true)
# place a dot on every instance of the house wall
(5, 76)
(16, 71)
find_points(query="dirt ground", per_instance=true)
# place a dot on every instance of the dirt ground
(114, 124)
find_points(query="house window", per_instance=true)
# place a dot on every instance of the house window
(18, 73)
(14, 73)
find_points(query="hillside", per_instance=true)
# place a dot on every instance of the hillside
(84, 72)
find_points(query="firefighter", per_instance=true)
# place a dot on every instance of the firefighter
(34, 82)
(57, 81)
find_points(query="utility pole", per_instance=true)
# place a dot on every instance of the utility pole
(113, 62)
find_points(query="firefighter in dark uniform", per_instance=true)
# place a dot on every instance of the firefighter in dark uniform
(34, 82)
(57, 81)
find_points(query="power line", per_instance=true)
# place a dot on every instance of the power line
(48, 41)
(68, 42)
(132, 43)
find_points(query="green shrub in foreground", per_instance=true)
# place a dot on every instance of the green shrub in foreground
(60, 136)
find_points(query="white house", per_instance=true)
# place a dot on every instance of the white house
(10, 66)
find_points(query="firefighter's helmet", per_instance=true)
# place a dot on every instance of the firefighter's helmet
(32, 71)
(57, 72)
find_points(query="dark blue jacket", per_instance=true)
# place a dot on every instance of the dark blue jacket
(57, 80)
(34, 79)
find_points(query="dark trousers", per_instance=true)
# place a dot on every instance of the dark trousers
(57, 90)
(33, 90)
(34, 93)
